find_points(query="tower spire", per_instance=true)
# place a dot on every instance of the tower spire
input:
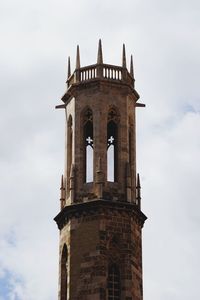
(69, 67)
(78, 65)
(99, 194)
(124, 56)
(131, 67)
(100, 53)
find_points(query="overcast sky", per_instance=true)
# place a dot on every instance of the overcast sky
(36, 39)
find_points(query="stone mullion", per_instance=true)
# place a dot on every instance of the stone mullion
(100, 138)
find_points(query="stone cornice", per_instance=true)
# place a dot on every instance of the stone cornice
(94, 206)
(97, 82)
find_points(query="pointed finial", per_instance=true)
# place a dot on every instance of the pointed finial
(138, 182)
(138, 192)
(124, 57)
(78, 65)
(69, 68)
(62, 193)
(100, 54)
(131, 67)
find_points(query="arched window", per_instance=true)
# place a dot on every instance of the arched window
(69, 149)
(113, 282)
(112, 144)
(88, 146)
(64, 267)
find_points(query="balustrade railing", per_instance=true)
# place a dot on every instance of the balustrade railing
(103, 71)
(112, 72)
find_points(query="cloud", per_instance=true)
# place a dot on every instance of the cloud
(170, 164)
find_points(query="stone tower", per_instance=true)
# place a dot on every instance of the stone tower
(100, 221)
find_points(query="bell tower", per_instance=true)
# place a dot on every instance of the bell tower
(100, 221)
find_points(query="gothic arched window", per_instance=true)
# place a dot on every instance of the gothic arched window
(69, 149)
(88, 145)
(113, 282)
(64, 267)
(112, 144)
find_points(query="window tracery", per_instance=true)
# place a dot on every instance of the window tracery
(88, 145)
(113, 282)
(112, 144)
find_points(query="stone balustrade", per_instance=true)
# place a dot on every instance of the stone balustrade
(101, 71)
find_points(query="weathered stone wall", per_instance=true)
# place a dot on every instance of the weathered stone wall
(96, 240)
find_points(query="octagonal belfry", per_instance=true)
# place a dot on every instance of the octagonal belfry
(100, 221)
